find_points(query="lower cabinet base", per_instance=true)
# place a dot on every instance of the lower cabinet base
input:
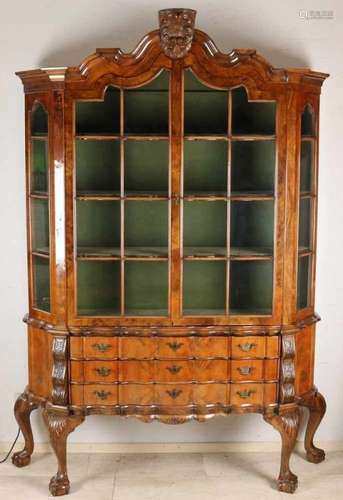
(61, 421)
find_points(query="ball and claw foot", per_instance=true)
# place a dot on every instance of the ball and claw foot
(21, 458)
(59, 485)
(315, 455)
(289, 484)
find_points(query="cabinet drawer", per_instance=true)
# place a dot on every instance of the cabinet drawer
(100, 394)
(100, 347)
(174, 371)
(210, 347)
(253, 394)
(94, 371)
(170, 394)
(248, 347)
(136, 371)
(211, 370)
(210, 394)
(136, 394)
(247, 369)
(137, 348)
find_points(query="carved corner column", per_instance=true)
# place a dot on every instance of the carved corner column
(23, 407)
(316, 405)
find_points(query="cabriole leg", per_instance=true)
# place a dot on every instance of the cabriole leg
(316, 404)
(23, 407)
(60, 424)
(287, 424)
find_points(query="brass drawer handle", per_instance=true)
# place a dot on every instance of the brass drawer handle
(245, 370)
(103, 372)
(174, 369)
(102, 347)
(102, 394)
(175, 346)
(245, 394)
(175, 393)
(246, 347)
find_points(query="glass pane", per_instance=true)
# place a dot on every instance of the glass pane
(305, 224)
(252, 227)
(303, 281)
(146, 228)
(306, 166)
(252, 167)
(39, 166)
(204, 288)
(146, 288)
(146, 167)
(251, 117)
(307, 125)
(98, 288)
(97, 167)
(147, 108)
(41, 283)
(205, 167)
(204, 227)
(39, 121)
(205, 109)
(40, 225)
(251, 287)
(99, 117)
(98, 227)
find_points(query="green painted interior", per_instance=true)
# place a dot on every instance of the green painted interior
(204, 224)
(303, 281)
(205, 109)
(307, 122)
(146, 109)
(39, 120)
(305, 223)
(252, 224)
(146, 288)
(41, 283)
(98, 225)
(39, 166)
(146, 166)
(99, 117)
(97, 166)
(251, 287)
(146, 224)
(251, 117)
(204, 288)
(306, 166)
(205, 166)
(40, 225)
(252, 167)
(98, 288)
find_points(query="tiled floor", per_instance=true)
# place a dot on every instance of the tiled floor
(212, 476)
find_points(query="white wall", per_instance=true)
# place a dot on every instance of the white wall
(52, 33)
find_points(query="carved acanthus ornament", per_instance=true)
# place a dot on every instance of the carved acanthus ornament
(176, 31)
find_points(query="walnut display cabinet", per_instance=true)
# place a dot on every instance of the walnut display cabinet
(171, 200)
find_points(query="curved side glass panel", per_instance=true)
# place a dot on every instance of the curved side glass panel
(306, 208)
(39, 208)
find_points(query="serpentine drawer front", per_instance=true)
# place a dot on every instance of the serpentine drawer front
(171, 221)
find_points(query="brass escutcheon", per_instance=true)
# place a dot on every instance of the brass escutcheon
(102, 347)
(174, 393)
(174, 369)
(102, 394)
(103, 372)
(246, 347)
(245, 394)
(245, 370)
(175, 346)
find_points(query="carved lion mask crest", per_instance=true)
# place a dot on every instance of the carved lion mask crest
(176, 31)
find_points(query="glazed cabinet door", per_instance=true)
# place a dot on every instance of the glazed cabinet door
(121, 210)
(229, 206)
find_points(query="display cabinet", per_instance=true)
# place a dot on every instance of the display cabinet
(171, 200)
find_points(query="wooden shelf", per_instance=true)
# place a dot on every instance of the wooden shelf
(251, 253)
(124, 137)
(39, 195)
(41, 252)
(140, 195)
(130, 253)
(220, 253)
